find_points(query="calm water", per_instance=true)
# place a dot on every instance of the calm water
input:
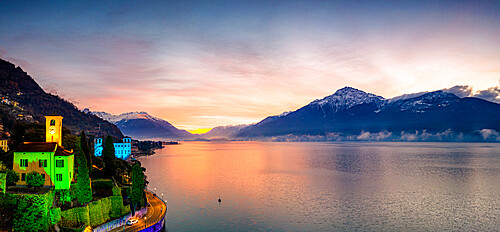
(328, 186)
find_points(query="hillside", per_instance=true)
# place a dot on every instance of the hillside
(16, 86)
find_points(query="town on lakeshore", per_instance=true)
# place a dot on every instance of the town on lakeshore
(48, 187)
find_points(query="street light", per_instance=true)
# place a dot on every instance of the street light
(155, 191)
(145, 222)
(162, 196)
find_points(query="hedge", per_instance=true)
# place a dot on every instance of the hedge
(105, 208)
(69, 229)
(95, 213)
(117, 191)
(55, 215)
(116, 206)
(75, 217)
(102, 183)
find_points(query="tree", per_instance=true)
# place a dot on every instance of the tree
(83, 184)
(30, 215)
(34, 179)
(12, 177)
(137, 185)
(108, 152)
(86, 149)
(108, 156)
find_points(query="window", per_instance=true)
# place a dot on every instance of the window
(59, 177)
(52, 122)
(23, 177)
(59, 163)
(42, 163)
(24, 162)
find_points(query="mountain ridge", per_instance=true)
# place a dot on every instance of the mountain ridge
(141, 125)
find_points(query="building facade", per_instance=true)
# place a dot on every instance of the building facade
(122, 150)
(3, 145)
(49, 158)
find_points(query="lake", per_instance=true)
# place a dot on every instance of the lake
(266, 186)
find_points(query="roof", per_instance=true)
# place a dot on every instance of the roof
(43, 147)
(62, 152)
(37, 147)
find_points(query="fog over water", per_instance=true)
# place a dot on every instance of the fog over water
(325, 186)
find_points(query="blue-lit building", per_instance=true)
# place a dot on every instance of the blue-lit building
(122, 150)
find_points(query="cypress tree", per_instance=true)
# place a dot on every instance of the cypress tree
(108, 156)
(137, 185)
(83, 185)
(86, 149)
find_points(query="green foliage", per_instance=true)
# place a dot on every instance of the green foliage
(73, 190)
(12, 177)
(86, 149)
(126, 209)
(95, 214)
(75, 217)
(34, 179)
(105, 208)
(102, 183)
(64, 195)
(126, 191)
(137, 185)
(84, 189)
(116, 206)
(69, 229)
(108, 156)
(7, 158)
(108, 151)
(69, 140)
(32, 212)
(8, 204)
(54, 215)
(117, 191)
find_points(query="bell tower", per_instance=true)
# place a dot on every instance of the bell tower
(53, 129)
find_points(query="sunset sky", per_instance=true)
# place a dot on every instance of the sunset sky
(209, 63)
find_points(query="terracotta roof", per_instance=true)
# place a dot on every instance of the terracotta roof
(62, 152)
(37, 147)
(43, 147)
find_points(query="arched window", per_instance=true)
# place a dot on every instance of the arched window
(52, 122)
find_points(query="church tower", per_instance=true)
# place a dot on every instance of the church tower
(53, 129)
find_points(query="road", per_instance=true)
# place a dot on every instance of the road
(155, 213)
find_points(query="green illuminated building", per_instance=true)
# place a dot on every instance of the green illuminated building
(47, 158)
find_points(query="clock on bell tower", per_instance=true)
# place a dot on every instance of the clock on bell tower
(53, 129)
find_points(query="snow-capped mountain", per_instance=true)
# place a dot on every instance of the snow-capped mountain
(352, 111)
(141, 125)
(346, 98)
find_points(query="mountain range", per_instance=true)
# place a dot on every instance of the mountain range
(350, 111)
(141, 125)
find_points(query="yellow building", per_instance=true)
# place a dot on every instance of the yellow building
(3, 145)
(49, 158)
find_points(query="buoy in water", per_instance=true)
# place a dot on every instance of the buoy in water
(219, 200)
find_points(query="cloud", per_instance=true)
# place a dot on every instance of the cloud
(489, 134)
(460, 90)
(491, 94)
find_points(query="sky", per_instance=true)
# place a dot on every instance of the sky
(201, 64)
